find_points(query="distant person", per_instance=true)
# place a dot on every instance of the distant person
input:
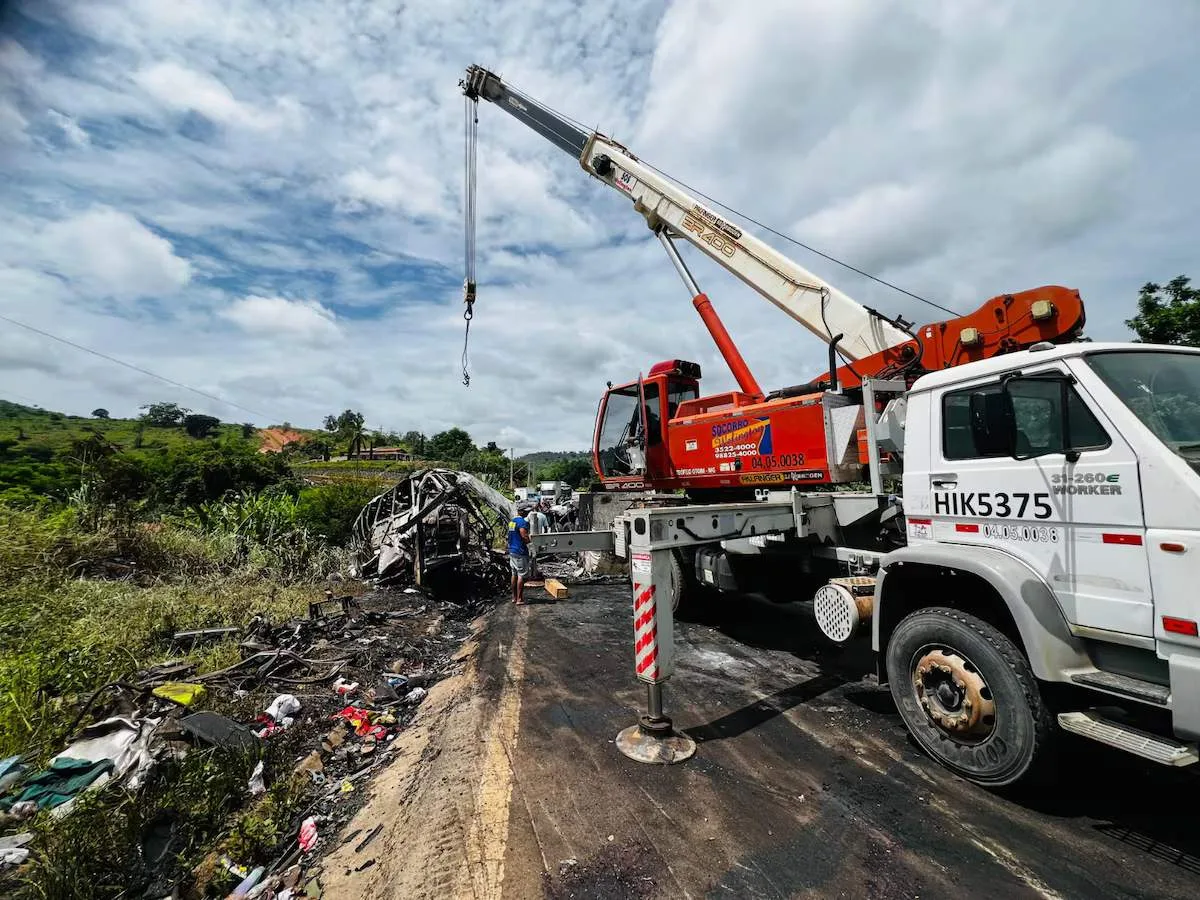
(542, 520)
(518, 552)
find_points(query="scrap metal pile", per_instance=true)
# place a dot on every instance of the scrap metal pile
(433, 523)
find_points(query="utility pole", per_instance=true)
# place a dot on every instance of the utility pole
(511, 484)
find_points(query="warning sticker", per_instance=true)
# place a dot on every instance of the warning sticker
(640, 563)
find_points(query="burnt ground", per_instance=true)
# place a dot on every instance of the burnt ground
(804, 782)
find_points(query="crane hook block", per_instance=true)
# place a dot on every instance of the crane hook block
(469, 293)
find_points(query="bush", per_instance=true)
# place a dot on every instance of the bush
(330, 509)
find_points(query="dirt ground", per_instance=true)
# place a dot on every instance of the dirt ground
(804, 783)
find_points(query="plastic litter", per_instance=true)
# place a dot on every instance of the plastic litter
(243, 889)
(256, 785)
(344, 688)
(308, 835)
(11, 771)
(416, 695)
(13, 851)
(283, 706)
(181, 692)
(13, 856)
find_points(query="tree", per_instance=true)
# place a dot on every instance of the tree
(493, 447)
(318, 446)
(200, 426)
(415, 442)
(163, 415)
(346, 424)
(248, 430)
(1168, 315)
(100, 413)
(348, 427)
(575, 471)
(449, 445)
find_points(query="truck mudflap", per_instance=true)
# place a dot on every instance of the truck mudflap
(1045, 636)
(1185, 696)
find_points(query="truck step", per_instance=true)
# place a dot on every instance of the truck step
(1161, 750)
(1135, 688)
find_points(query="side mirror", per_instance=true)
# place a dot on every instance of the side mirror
(992, 424)
(1038, 408)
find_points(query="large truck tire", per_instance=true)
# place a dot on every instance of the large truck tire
(969, 697)
(682, 586)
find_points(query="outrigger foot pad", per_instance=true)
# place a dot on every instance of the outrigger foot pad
(655, 741)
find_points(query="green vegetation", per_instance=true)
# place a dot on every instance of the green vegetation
(1168, 314)
(113, 536)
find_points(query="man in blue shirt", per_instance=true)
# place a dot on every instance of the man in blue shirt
(518, 552)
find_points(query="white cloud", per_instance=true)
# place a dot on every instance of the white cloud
(312, 149)
(70, 128)
(181, 88)
(277, 316)
(111, 254)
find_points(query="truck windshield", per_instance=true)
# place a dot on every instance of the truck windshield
(1162, 389)
(620, 423)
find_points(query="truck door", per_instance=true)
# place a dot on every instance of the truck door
(658, 458)
(1068, 502)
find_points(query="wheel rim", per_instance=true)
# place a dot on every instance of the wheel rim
(954, 694)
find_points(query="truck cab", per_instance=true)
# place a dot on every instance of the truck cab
(1052, 503)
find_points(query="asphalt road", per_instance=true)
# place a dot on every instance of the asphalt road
(804, 782)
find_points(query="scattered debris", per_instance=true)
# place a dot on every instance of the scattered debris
(374, 832)
(308, 835)
(283, 708)
(416, 695)
(324, 694)
(256, 785)
(180, 692)
(13, 851)
(205, 634)
(221, 731)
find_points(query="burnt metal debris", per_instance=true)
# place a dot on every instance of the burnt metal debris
(433, 523)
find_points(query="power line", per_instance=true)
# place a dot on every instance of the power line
(121, 362)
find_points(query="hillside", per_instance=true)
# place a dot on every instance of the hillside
(40, 450)
(542, 457)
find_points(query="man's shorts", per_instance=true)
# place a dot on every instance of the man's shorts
(519, 563)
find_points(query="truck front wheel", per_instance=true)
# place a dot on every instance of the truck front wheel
(968, 697)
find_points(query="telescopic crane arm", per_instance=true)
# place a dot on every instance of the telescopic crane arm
(861, 335)
(669, 209)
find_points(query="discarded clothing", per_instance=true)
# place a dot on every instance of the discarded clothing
(60, 783)
(124, 741)
(180, 692)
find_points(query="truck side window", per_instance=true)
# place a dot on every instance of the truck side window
(653, 419)
(1037, 418)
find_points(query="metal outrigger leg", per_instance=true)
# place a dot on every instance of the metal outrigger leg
(653, 739)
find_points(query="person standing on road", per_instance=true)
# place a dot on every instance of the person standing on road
(518, 552)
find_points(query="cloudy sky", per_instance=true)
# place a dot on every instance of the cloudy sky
(262, 199)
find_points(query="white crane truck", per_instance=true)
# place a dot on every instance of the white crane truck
(1036, 571)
